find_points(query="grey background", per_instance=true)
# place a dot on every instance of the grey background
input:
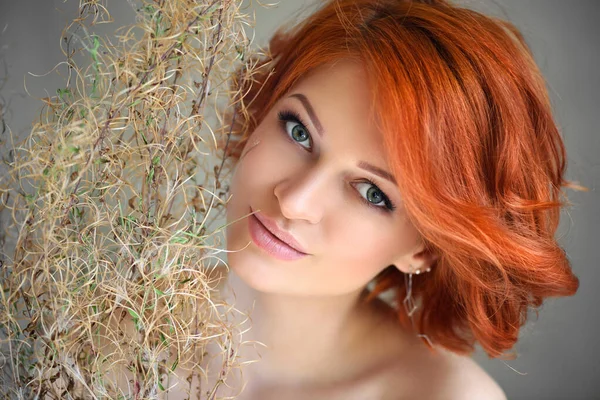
(559, 352)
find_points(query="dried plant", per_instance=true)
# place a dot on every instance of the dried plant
(113, 197)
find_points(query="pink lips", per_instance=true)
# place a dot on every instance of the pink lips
(267, 241)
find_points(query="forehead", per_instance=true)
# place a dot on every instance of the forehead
(344, 80)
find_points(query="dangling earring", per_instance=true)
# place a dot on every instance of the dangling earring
(409, 302)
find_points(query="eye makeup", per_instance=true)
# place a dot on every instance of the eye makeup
(287, 116)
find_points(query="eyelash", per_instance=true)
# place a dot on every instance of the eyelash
(286, 116)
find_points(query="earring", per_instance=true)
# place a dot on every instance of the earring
(409, 302)
(418, 270)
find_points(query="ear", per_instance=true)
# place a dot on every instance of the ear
(419, 259)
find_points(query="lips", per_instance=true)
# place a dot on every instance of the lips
(271, 244)
(280, 234)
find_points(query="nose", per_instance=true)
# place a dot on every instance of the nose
(304, 195)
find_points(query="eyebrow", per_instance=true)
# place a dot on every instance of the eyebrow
(315, 121)
(310, 110)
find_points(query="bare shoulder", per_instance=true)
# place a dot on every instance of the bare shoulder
(463, 379)
(441, 375)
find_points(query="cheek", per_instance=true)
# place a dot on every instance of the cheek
(365, 247)
(266, 157)
(362, 249)
(249, 184)
(247, 166)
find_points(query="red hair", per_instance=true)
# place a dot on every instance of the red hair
(471, 140)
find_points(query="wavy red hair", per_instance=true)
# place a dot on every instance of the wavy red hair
(471, 140)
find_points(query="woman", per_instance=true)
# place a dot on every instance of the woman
(392, 147)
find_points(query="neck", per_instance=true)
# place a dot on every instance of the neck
(306, 339)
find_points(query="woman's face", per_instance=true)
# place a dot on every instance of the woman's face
(301, 168)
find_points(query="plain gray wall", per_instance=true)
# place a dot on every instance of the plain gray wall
(559, 352)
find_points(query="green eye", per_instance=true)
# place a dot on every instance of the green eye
(294, 128)
(374, 195)
(297, 131)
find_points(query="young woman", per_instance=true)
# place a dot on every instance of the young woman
(400, 148)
